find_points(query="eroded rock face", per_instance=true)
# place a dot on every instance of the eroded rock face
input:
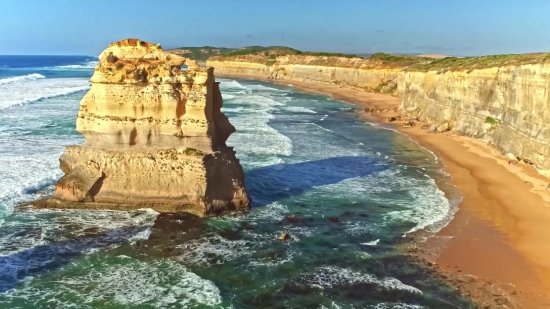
(507, 106)
(155, 137)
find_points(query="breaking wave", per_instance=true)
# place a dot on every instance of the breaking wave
(89, 65)
(17, 79)
(37, 89)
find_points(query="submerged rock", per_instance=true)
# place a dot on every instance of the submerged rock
(284, 236)
(155, 138)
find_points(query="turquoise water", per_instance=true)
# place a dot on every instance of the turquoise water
(348, 193)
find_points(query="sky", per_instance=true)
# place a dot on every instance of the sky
(450, 27)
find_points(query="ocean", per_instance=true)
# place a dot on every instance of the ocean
(349, 193)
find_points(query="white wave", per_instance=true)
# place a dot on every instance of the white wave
(25, 176)
(429, 209)
(110, 226)
(257, 143)
(397, 306)
(40, 238)
(17, 79)
(329, 276)
(214, 249)
(299, 109)
(371, 243)
(264, 88)
(121, 282)
(232, 109)
(89, 65)
(230, 84)
(17, 94)
(226, 96)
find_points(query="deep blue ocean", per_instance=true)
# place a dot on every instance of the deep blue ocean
(349, 193)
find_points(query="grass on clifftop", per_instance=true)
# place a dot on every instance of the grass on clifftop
(471, 63)
(200, 53)
(268, 56)
(274, 51)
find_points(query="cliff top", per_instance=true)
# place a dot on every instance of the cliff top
(471, 63)
(205, 52)
(284, 55)
(136, 61)
(440, 63)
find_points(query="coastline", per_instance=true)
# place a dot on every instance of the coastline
(495, 249)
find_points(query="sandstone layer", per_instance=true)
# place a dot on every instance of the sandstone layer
(155, 137)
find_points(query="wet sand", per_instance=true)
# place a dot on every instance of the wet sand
(497, 247)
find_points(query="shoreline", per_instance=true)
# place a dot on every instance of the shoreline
(495, 249)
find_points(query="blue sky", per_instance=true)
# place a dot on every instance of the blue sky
(453, 27)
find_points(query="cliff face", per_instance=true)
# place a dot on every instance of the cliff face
(355, 73)
(506, 106)
(155, 137)
(500, 99)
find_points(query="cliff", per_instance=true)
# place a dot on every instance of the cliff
(155, 138)
(378, 73)
(508, 106)
(501, 99)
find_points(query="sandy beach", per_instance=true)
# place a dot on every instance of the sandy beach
(496, 249)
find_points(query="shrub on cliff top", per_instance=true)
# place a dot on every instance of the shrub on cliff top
(492, 121)
(471, 63)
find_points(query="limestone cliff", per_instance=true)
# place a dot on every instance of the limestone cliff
(501, 99)
(507, 106)
(155, 137)
(375, 74)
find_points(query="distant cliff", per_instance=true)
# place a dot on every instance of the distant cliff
(502, 99)
(378, 73)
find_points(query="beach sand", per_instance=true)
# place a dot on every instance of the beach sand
(496, 249)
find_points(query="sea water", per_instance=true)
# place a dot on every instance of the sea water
(348, 193)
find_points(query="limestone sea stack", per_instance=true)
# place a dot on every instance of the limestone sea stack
(155, 138)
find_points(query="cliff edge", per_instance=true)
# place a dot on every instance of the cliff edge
(155, 138)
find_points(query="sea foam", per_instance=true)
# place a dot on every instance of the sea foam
(87, 66)
(32, 90)
(18, 79)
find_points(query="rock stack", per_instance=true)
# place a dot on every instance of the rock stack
(155, 138)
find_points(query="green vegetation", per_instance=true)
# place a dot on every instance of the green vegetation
(321, 54)
(193, 152)
(492, 121)
(394, 58)
(471, 63)
(272, 51)
(200, 53)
